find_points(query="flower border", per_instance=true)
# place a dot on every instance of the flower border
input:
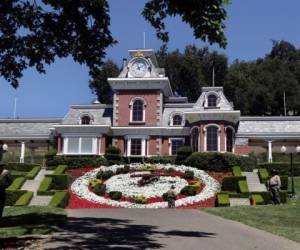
(81, 187)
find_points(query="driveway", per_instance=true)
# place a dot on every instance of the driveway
(160, 229)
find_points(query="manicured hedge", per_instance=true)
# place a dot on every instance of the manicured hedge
(33, 173)
(60, 199)
(21, 166)
(223, 199)
(182, 154)
(283, 196)
(243, 186)
(258, 199)
(230, 183)
(265, 195)
(283, 168)
(236, 171)
(60, 181)
(218, 162)
(17, 184)
(238, 195)
(113, 155)
(76, 161)
(263, 175)
(13, 196)
(284, 182)
(45, 187)
(24, 199)
(160, 159)
(60, 169)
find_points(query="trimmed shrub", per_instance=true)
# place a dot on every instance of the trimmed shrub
(24, 199)
(76, 161)
(150, 168)
(94, 182)
(17, 184)
(115, 195)
(283, 196)
(60, 181)
(45, 187)
(171, 170)
(188, 190)
(283, 168)
(113, 155)
(140, 199)
(284, 182)
(124, 170)
(104, 175)
(60, 199)
(188, 174)
(195, 184)
(100, 189)
(258, 199)
(243, 186)
(13, 196)
(265, 195)
(230, 183)
(223, 199)
(160, 159)
(238, 195)
(218, 162)
(60, 169)
(33, 173)
(21, 166)
(236, 171)
(263, 175)
(182, 154)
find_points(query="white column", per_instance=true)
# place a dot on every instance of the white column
(270, 158)
(22, 157)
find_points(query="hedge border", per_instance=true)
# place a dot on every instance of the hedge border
(60, 199)
(33, 173)
(223, 199)
(25, 199)
(45, 187)
(16, 184)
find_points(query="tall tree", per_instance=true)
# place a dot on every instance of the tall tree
(34, 33)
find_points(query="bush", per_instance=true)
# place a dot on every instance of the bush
(104, 175)
(223, 199)
(188, 174)
(171, 170)
(60, 199)
(263, 175)
(219, 162)
(236, 170)
(258, 199)
(230, 183)
(160, 159)
(100, 189)
(140, 199)
(283, 168)
(33, 173)
(243, 186)
(115, 195)
(283, 196)
(124, 170)
(238, 195)
(76, 161)
(45, 187)
(284, 182)
(60, 181)
(94, 182)
(188, 190)
(195, 184)
(60, 169)
(24, 199)
(150, 168)
(13, 196)
(21, 166)
(113, 155)
(182, 154)
(265, 196)
(17, 184)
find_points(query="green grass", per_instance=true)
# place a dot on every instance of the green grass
(18, 221)
(283, 220)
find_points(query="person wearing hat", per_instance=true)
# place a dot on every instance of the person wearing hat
(274, 186)
(5, 181)
(171, 197)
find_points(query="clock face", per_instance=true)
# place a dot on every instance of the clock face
(138, 68)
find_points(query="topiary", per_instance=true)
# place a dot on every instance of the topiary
(188, 174)
(104, 175)
(123, 170)
(100, 189)
(182, 154)
(115, 195)
(140, 199)
(188, 190)
(94, 182)
(113, 155)
(171, 170)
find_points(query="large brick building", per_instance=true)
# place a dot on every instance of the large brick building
(147, 119)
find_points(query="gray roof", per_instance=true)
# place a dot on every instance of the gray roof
(101, 114)
(26, 128)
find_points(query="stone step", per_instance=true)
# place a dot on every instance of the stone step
(40, 200)
(234, 202)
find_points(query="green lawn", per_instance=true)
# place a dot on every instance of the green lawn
(19, 221)
(282, 220)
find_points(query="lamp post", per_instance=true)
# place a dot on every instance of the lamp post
(3, 149)
(283, 150)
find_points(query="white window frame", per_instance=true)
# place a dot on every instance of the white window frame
(205, 136)
(131, 109)
(128, 146)
(170, 143)
(217, 99)
(79, 152)
(182, 121)
(86, 114)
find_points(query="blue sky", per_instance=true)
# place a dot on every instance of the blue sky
(251, 27)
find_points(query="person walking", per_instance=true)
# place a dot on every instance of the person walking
(171, 197)
(274, 186)
(5, 181)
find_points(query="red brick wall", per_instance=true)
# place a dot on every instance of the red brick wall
(120, 144)
(165, 146)
(241, 149)
(152, 146)
(123, 109)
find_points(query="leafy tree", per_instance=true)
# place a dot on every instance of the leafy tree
(34, 33)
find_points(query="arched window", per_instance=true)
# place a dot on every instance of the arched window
(138, 111)
(229, 139)
(177, 120)
(85, 120)
(195, 139)
(212, 138)
(211, 100)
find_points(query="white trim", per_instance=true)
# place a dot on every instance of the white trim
(88, 115)
(182, 118)
(206, 99)
(79, 151)
(199, 137)
(143, 145)
(170, 143)
(131, 109)
(205, 136)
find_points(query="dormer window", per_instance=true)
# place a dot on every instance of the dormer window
(177, 120)
(86, 120)
(211, 101)
(137, 113)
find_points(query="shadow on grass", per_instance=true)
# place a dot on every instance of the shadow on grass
(107, 233)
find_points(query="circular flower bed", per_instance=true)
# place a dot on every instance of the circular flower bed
(140, 185)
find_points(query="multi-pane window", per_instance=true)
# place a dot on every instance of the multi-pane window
(211, 101)
(80, 145)
(138, 111)
(177, 120)
(229, 139)
(175, 144)
(136, 147)
(212, 138)
(85, 120)
(73, 145)
(195, 139)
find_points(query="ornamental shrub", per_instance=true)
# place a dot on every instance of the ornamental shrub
(100, 189)
(45, 187)
(115, 195)
(33, 173)
(188, 174)
(223, 199)
(26, 167)
(182, 154)
(60, 181)
(140, 199)
(24, 199)
(113, 155)
(123, 170)
(284, 182)
(171, 170)
(76, 161)
(60, 199)
(283, 168)
(195, 184)
(188, 190)
(60, 169)
(160, 159)
(283, 196)
(94, 182)
(230, 183)
(258, 199)
(104, 175)
(263, 175)
(13, 196)
(243, 186)
(17, 184)
(236, 170)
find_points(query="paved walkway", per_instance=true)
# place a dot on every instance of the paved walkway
(160, 229)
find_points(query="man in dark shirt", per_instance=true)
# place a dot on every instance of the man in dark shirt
(5, 181)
